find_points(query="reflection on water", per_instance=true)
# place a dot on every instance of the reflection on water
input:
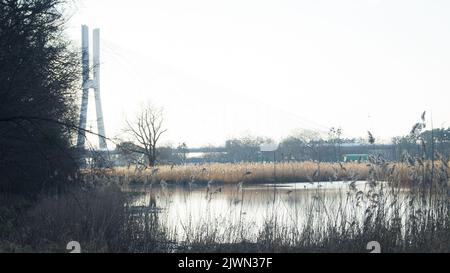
(185, 211)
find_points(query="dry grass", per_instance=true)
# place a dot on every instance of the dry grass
(102, 220)
(248, 172)
(285, 172)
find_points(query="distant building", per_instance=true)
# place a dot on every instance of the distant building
(356, 157)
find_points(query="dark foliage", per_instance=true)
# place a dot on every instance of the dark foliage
(38, 76)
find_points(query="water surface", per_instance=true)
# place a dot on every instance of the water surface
(224, 209)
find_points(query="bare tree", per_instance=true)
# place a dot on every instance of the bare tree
(147, 130)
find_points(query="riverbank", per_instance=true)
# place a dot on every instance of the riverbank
(103, 217)
(104, 220)
(247, 172)
(258, 173)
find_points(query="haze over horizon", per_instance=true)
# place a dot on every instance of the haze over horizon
(224, 69)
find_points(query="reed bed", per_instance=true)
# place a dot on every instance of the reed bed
(100, 221)
(103, 218)
(283, 172)
(248, 172)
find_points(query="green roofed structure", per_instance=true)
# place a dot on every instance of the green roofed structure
(356, 157)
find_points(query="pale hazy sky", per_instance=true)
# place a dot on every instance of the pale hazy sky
(229, 68)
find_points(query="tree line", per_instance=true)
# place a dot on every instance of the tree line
(305, 146)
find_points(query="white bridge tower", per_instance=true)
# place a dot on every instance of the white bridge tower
(88, 84)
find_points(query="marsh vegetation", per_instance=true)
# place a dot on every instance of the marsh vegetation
(247, 217)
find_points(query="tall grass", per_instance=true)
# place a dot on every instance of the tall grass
(401, 219)
(103, 218)
(283, 172)
(256, 172)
